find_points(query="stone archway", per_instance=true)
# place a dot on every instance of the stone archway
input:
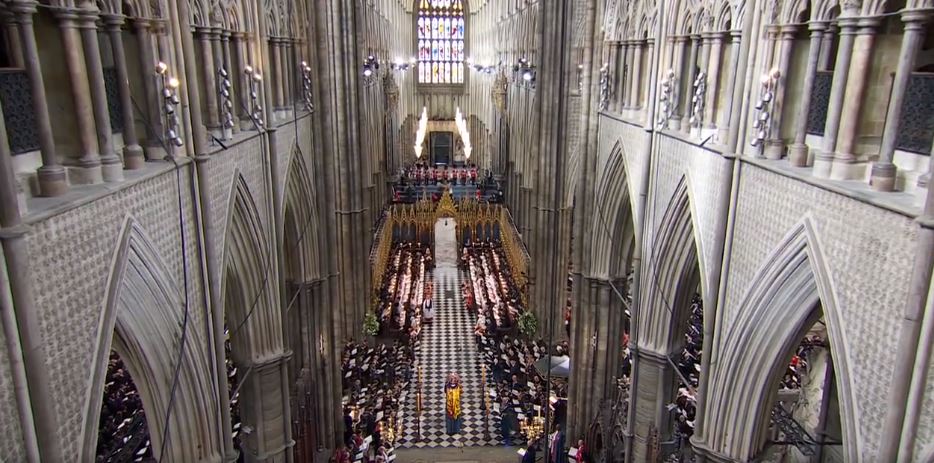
(144, 320)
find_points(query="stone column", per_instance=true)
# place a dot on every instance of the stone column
(611, 61)
(154, 130)
(826, 47)
(824, 159)
(883, 171)
(775, 146)
(210, 82)
(132, 152)
(276, 73)
(111, 165)
(860, 67)
(619, 60)
(51, 175)
(239, 43)
(12, 34)
(631, 52)
(635, 91)
(232, 76)
(713, 80)
(687, 84)
(798, 150)
(217, 48)
(86, 167)
(726, 115)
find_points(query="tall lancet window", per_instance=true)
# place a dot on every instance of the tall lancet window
(441, 29)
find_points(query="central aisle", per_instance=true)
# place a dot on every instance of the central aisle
(447, 345)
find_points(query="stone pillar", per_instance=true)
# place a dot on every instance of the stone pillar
(687, 84)
(775, 146)
(266, 406)
(860, 67)
(726, 114)
(276, 73)
(798, 150)
(86, 166)
(12, 34)
(631, 53)
(824, 159)
(232, 75)
(239, 44)
(713, 80)
(111, 165)
(652, 383)
(210, 82)
(132, 152)
(635, 89)
(883, 171)
(826, 47)
(152, 146)
(619, 76)
(217, 48)
(51, 175)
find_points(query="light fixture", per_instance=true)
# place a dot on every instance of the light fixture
(256, 109)
(763, 120)
(370, 66)
(170, 101)
(306, 87)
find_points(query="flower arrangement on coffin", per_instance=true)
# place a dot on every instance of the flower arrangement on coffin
(370, 324)
(528, 324)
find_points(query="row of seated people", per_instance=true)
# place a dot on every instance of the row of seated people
(519, 390)
(374, 384)
(123, 434)
(688, 365)
(490, 289)
(424, 174)
(406, 290)
(233, 390)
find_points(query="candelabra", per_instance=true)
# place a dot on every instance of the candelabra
(306, 87)
(763, 120)
(224, 86)
(700, 93)
(668, 99)
(605, 86)
(533, 427)
(170, 103)
(256, 109)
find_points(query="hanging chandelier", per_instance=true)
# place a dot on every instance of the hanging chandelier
(420, 133)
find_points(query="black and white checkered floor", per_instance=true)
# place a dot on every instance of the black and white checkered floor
(448, 345)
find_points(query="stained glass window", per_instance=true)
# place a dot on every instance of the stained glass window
(441, 42)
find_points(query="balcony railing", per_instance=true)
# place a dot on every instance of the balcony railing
(18, 114)
(916, 124)
(820, 98)
(113, 100)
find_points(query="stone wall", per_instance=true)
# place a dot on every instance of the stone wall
(868, 253)
(72, 252)
(11, 445)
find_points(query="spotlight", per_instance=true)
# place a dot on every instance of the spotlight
(527, 75)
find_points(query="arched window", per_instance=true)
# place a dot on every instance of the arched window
(441, 29)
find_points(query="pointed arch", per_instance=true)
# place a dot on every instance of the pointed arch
(674, 273)
(142, 320)
(613, 227)
(790, 292)
(252, 317)
(301, 207)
